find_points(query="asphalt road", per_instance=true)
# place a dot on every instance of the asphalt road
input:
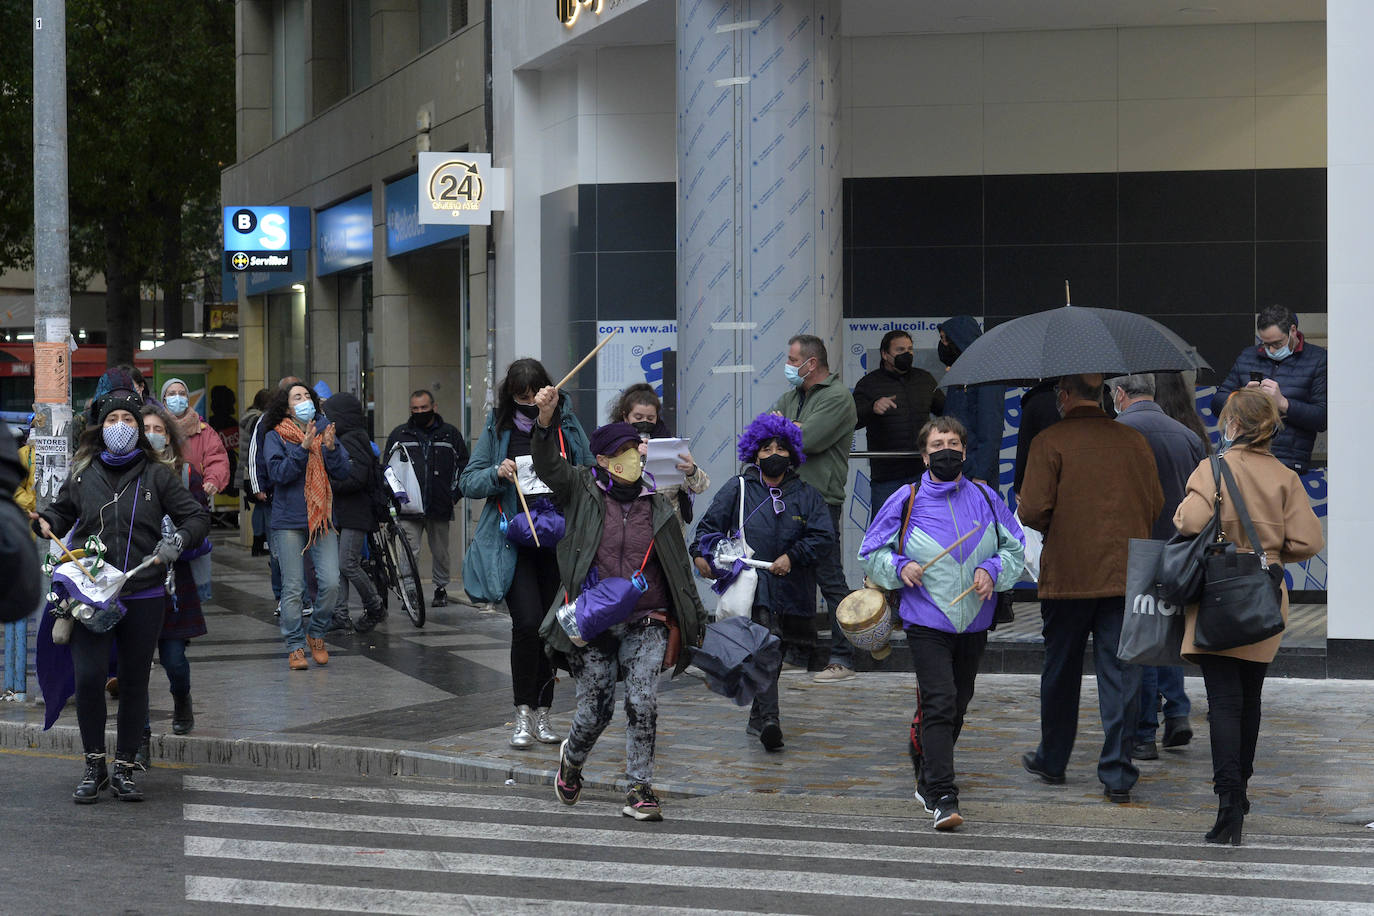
(221, 841)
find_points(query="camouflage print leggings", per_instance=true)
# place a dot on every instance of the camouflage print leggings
(636, 650)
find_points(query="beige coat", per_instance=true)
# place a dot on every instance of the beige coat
(1283, 518)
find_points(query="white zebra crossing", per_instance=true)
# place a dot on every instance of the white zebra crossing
(719, 852)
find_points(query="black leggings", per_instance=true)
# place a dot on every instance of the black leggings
(135, 639)
(531, 595)
(1234, 687)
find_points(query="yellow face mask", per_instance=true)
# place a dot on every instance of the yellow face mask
(626, 466)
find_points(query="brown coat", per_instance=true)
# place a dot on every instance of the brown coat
(1090, 487)
(1283, 518)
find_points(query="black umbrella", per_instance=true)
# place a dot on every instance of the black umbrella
(1068, 341)
(740, 658)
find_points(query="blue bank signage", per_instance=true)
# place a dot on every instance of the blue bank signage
(404, 231)
(257, 239)
(343, 235)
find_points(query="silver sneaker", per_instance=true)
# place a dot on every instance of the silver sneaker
(524, 728)
(543, 728)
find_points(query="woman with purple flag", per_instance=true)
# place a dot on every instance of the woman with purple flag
(118, 491)
(787, 524)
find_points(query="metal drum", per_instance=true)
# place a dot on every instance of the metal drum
(866, 621)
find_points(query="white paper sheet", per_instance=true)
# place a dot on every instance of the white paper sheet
(662, 461)
(530, 484)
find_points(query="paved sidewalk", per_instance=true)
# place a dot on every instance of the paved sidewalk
(436, 702)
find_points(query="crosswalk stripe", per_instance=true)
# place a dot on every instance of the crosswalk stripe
(791, 846)
(833, 822)
(755, 879)
(400, 902)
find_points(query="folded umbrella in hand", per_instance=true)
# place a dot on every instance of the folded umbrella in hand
(740, 659)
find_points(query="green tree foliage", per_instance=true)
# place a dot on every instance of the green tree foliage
(150, 87)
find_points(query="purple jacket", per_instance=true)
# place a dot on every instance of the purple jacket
(942, 513)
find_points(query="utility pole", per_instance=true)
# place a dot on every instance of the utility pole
(52, 376)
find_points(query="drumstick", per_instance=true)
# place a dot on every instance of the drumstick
(68, 554)
(586, 359)
(960, 597)
(524, 505)
(944, 552)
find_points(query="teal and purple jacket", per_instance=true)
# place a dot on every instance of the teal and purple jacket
(943, 513)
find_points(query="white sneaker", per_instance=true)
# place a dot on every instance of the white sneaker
(832, 674)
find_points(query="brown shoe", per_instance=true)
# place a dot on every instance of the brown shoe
(317, 650)
(297, 660)
(112, 688)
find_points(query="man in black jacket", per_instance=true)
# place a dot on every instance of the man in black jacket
(894, 401)
(438, 454)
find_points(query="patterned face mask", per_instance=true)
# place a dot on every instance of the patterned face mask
(120, 438)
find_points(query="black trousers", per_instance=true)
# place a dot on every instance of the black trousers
(946, 665)
(531, 594)
(1234, 686)
(135, 639)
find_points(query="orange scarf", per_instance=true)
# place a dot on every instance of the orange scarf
(319, 496)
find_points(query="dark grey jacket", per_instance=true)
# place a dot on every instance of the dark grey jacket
(1178, 451)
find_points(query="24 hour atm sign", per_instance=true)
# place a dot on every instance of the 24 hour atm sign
(257, 238)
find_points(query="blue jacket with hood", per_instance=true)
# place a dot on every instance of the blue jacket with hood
(981, 408)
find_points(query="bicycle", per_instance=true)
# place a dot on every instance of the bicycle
(394, 570)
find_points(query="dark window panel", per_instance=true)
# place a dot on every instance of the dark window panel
(583, 283)
(908, 212)
(1216, 206)
(640, 216)
(586, 218)
(1290, 204)
(895, 282)
(1050, 209)
(1214, 278)
(636, 285)
(1291, 274)
(1218, 338)
(1021, 279)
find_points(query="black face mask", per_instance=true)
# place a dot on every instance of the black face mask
(946, 464)
(775, 465)
(902, 362)
(422, 419)
(645, 427)
(948, 353)
(529, 410)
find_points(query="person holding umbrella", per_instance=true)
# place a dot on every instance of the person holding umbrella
(617, 527)
(787, 523)
(980, 408)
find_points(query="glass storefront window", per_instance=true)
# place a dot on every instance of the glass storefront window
(286, 336)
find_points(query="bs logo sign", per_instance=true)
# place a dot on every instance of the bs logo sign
(257, 238)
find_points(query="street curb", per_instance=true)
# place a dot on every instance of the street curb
(328, 759)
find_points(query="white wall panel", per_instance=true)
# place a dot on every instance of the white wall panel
(1290, 58)
(1042, 137)
(1050, 66)
(1290, 132)
(1181, 134)
(917, 70)
(915, 140)
(640, 147)
(1181, 63)
(635, 80)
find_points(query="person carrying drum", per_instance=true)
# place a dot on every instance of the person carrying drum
(947, 595)
(785, 522)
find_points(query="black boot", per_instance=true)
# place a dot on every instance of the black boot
(183, 719)
(143, 758)
(122, 784)
(371, 617)
(1230, 818)
(96, 777)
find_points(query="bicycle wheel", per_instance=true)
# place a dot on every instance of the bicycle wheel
(374, 563)
(410, 589)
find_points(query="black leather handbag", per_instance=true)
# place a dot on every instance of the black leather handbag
(1242, 594)
(1182, 564)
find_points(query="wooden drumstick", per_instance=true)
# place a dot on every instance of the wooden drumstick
(586, 359)
(526, 506)
(946, 551)
(960, 597)
(68, 554)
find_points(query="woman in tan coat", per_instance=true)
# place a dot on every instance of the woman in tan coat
(1289, 532)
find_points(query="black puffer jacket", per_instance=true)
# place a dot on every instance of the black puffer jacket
(355, 499)
(439, 454)
(17, 557)
(895, 431)
(125, 507)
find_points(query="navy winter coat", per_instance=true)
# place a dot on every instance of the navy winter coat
(286, 470)
(980, 408)
(1302, 379)
(802, 531)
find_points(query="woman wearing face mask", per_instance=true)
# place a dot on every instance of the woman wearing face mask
(118, 490)
(496, 569)
(620, 528)
(183, 619)
(946, 622)
(640, 407)
(203, 449)
(1290, 533)
(787, 523)
(302, 457)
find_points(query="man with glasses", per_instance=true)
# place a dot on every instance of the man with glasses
(1293, 373)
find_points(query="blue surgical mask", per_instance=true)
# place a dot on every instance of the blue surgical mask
(794, 376)
(177, 404)
(305, 411)
(120, 438)
(158, 441)
(1280, 355)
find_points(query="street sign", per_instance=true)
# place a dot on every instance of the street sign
(459, 189)
(257, 239)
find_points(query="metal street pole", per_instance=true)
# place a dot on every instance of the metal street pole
(52, 377)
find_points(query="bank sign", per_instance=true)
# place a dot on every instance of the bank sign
(257, 239)
(459, 189)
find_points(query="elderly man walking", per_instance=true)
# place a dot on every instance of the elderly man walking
(1090, 487)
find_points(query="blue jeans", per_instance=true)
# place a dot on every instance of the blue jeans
(1156, 682)
(265, 509)
(881, 491)
(1067, 624)
(289, 546)
(260, 516)
(172, 654)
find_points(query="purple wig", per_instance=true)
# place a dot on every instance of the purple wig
(771, 426)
